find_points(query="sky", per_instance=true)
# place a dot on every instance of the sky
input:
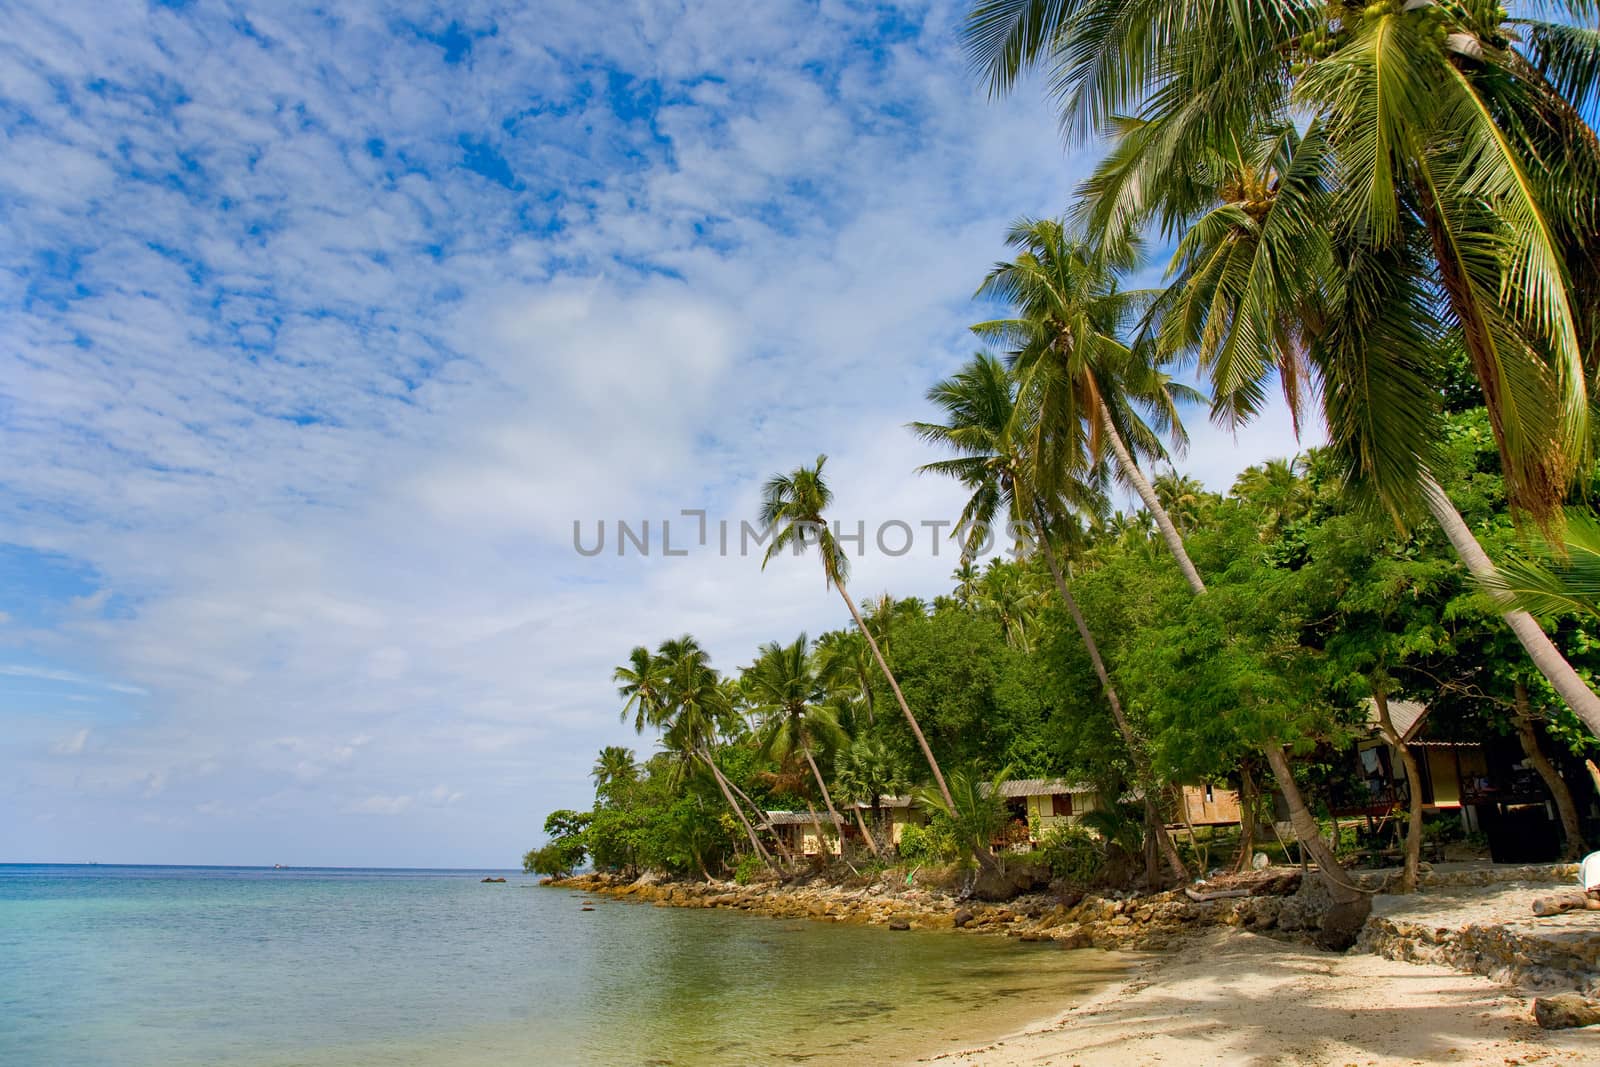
(320, 329)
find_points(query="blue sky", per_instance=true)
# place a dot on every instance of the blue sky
(319, 329)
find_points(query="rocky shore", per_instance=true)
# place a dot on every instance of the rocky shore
(1269, 902)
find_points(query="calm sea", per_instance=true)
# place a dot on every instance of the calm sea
(142, 966)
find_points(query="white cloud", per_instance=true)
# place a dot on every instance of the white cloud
(73, 744)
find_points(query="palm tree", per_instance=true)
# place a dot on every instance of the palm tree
(1554, 583)
(844, 655)
(790, 695)
(793, 505)
(688, 703)
(966, 578)
(641, 683)
(866, 772)
(988, 430)
(613, 769)
(1183, 497)
(1447, 183)
(1086, 386)
(1004, 594)
(1280, 488)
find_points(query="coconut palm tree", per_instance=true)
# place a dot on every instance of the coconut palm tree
(966, 577)
(641, 683)
(793, 506)
(1447, 184)
(1091, 393)
(1006, 595)
(989, 430)
(613, 769)
(790, 695)
(844, 655)
(690, 702)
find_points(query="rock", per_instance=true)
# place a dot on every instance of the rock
(962, 918)
(1566, 1010)
(1342, 923)
(1259, 861)
(899, 923)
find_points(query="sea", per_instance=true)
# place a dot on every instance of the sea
(130, 966)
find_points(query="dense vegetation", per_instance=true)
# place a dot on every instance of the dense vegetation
(1388, 209)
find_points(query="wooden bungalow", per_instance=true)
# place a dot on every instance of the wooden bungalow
(1040, 804)
(798, 832)
(1209, 805)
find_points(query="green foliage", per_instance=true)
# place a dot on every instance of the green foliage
(1074, 855)
(556, 859)
(925, 845)
(748, 869)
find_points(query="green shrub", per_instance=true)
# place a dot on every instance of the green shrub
(1073, 854)
(748, 869)
(927, 844)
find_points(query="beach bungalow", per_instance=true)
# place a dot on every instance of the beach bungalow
(1040, 804)
(1210, 805)
(1488, 783)
(798, 832)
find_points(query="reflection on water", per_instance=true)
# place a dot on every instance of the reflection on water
(140, 966)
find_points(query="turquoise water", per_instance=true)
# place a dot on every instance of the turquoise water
(138, 966)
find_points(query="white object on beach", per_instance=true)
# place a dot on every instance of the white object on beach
(1589, 871)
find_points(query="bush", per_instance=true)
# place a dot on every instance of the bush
(927, 844)
(1073, 854)
(557, 859)
(748, 869)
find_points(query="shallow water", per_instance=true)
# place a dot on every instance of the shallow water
(138, 966)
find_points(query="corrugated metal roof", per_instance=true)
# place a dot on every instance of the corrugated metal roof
(1406, 715)
(798, 818)
(1042, 787)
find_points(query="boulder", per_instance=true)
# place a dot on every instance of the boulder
(1566, 1010)
(899, 922)
(962, 918)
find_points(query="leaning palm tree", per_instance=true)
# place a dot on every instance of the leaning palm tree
(690, 704)
(1448, 183)
(988, 429)
(790, 694)
(793, 507)
(1092, 393)
(1550, 583)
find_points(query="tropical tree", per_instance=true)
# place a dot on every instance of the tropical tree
(1089, 392)
(641, 682)
(793, 507)
(688, 701)
(866, 772)
(1447, 184)
(990, 432)
(614, 770)
(790, 696)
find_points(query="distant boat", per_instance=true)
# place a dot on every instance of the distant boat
(494, 879)
(277, 866)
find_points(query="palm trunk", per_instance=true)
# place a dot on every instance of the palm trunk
(1413, 843)
(1147, 493)
(911, 720)
(838, 823)
(1546, 657)
(727, 794)
(1247, 819)
(1553, 781)
(1135, 750)
(1340, 888)
(866, 833)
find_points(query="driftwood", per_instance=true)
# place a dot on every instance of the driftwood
(1220, 894)
(1555, 904)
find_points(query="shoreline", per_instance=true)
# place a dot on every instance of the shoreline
(1238, 979)
(1236, 997)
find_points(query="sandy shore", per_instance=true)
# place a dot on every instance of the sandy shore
(1230, 997)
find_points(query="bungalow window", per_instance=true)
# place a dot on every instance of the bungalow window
(1210, 797)
(1061, 804)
